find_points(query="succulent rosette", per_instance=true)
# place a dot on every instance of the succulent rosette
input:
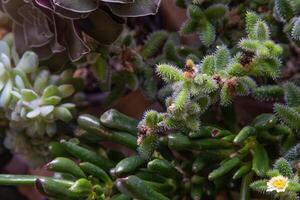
(60, 29)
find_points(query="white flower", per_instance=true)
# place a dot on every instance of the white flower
(278, 184)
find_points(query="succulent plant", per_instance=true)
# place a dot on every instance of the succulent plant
(220, 76)
(203, 21)
(289, 114)
(123, 69)
(282, 182)
(287, 11)
(60, 29)
(33, 100)
(226, 155)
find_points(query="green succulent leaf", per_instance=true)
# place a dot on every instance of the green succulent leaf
(284, 167)
(216, 12)
(288, 115)
(292, 95)
(259, 186)
(207, 32)
(28, 62)
(284, 9)
(296, 29)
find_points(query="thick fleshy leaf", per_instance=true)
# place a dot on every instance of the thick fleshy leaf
(4, 48)
(102, 27)
(78, 6)
(2, 70)
(118, 1)
(44, 4)
(44, 52)
(29, 62)
(6, 94)
(63, 114)
(17, 95)
(1, 85)
(5, 61)
(57, 45)
(63, 13)
(69, 106)
(51, 90)
(34, 113)
(19, 82)
(28, 95)
(136, 9)
(36, 28)
(75, 45)
(41, 81)
(66, 90)
(46, 110)
(57, 61)
(54, 100)
(10, 6)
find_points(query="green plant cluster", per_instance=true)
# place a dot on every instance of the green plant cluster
(287, 11)
(33, 100)
(203, 22)
(219, 21)
(217, 78)
(282, 169)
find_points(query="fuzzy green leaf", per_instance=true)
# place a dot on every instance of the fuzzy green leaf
(182, 98)
(251, 19)
(195, 12)
(292, 94)
(259, 186)
(296, 29)
(261, 30)
(148, 146)
(216, 12)
(293, 186)
(268, 93)
(151, 118)
(208, 65)
(154, 43)
(222, 57)
(284, 167)
(207, 32)
(249, 44)
(188, 27)
(225, 95)
(284, 9)
(169, 72)
(288, 115)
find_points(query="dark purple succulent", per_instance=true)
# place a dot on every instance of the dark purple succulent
(60, 29)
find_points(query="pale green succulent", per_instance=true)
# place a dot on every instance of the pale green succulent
(38, 109)
(33, 101)
(34, 150)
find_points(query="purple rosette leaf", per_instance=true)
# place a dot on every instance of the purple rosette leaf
(102, 27)
(136, 9)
